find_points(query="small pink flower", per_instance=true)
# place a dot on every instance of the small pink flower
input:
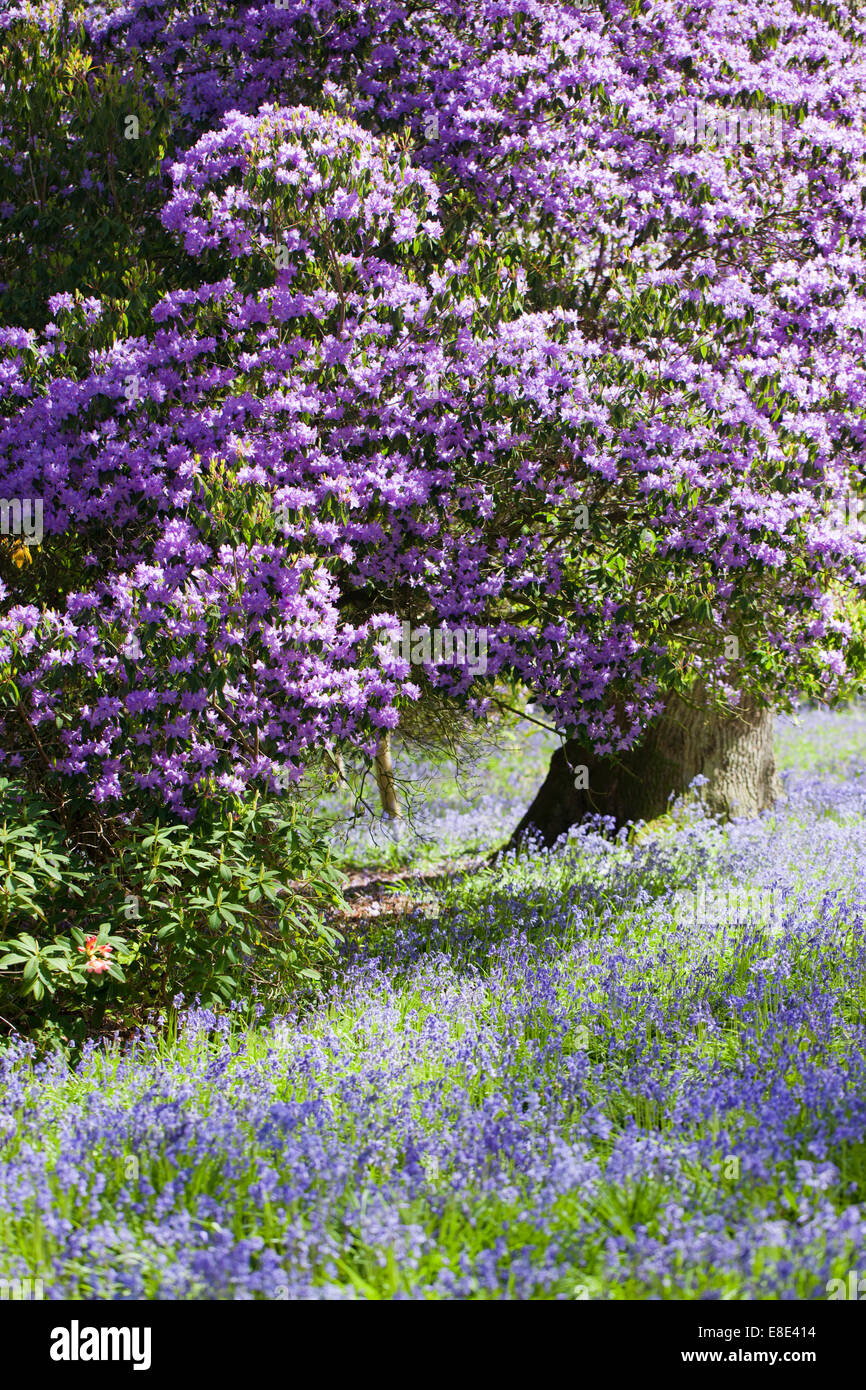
(98, 957)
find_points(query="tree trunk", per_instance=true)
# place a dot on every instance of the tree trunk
(384, 769)
(734, 752)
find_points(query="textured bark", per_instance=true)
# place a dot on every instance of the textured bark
(384, 768)
(735, 752)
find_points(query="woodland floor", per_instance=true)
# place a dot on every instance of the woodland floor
(624, 1069)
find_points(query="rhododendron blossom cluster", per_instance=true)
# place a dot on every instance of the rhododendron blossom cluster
(471, 340)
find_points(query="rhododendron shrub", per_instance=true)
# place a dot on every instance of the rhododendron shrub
(236, 490)
(540, 368)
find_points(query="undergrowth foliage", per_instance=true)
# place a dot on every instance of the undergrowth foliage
(234, 907)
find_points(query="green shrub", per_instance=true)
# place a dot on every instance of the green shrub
(226, 909)
(80, 200)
